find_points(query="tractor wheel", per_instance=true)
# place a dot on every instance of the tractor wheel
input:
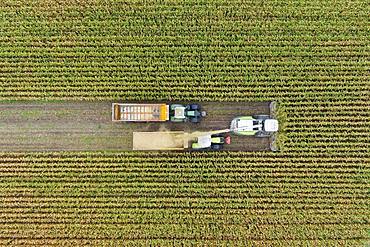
(261, 117)
(195, 119)
(194, 107)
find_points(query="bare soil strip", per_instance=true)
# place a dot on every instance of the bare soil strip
(87, 126)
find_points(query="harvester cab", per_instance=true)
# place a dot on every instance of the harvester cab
(259, 125)
(186, 113)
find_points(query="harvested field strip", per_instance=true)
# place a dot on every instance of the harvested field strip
(87, 126)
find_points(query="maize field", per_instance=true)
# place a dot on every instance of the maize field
(312, 57)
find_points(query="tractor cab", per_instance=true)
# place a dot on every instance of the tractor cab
(211, 142)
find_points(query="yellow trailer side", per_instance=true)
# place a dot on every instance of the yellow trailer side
(133, 112)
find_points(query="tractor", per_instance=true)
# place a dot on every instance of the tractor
(211, 142)
(186, 113)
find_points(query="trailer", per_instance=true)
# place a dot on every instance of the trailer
(137, 112)
(140, 112)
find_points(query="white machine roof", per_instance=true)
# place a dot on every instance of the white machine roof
(246, 125)
(180, 112)
(271, 125)
(205, 141)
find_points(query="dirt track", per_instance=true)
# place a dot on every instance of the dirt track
(87, 126)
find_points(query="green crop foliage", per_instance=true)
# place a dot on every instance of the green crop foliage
(312, 57)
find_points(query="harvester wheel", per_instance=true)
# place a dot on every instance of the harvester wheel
(261, 117)
(262, 134)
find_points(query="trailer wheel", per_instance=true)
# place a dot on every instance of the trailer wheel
(261, 117)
